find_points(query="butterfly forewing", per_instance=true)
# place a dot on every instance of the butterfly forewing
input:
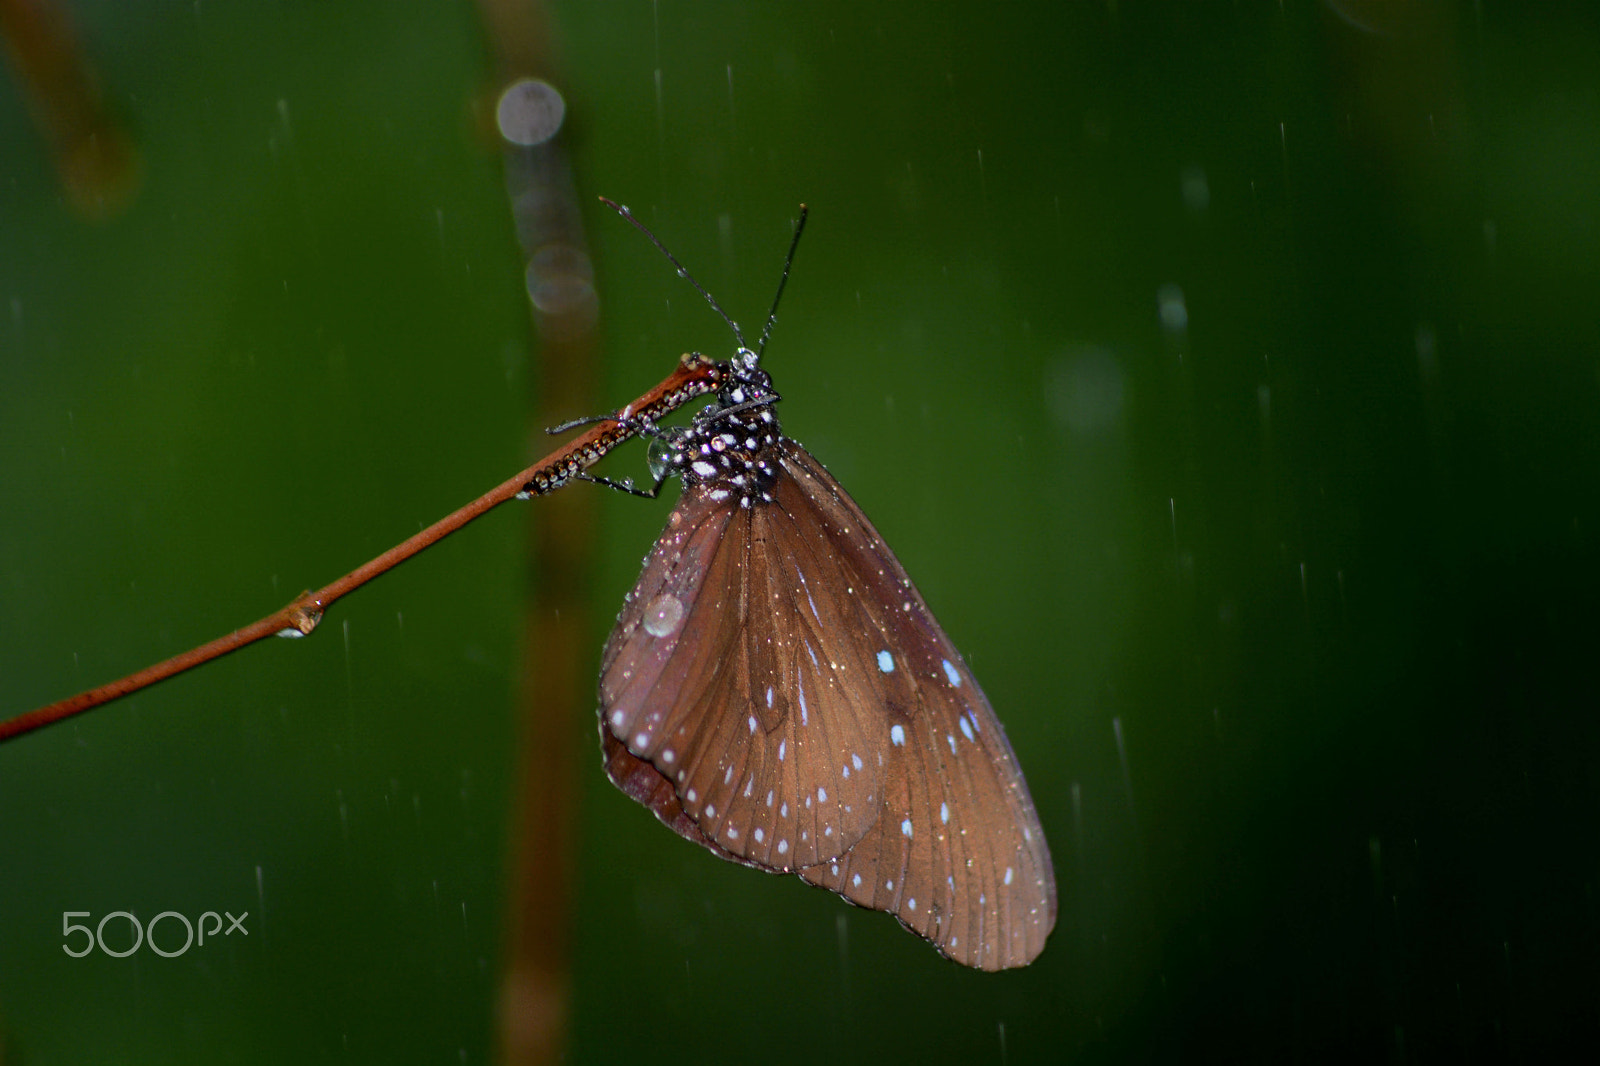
(958, 854)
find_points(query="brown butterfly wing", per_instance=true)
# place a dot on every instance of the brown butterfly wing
(958, 854)
(714, 678)
(885, 776)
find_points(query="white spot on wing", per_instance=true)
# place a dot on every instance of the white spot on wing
(950, 672)
(905, 828)
(897, 734)
(811, 602)
(966, 726)
(886, 662)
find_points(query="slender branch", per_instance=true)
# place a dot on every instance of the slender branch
(695, 376)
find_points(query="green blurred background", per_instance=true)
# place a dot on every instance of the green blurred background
(1227, 375)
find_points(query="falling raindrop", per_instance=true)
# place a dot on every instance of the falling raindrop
(1174, 311)
(1196, 190)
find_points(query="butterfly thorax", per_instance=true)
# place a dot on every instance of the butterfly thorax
(732, 444)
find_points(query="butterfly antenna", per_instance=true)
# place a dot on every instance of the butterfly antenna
(783, 279)
(683, 271)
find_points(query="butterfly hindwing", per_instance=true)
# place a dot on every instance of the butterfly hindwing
(713, 678)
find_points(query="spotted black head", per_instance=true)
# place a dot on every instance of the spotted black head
(731, 441)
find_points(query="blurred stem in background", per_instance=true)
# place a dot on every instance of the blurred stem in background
(535, 989)
(96, 161)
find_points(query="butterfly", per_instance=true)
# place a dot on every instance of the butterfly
(777, 691)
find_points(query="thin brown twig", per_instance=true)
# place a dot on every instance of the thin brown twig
(695, 376)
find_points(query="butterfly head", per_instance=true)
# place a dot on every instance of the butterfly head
(731, 444)
(746, 384)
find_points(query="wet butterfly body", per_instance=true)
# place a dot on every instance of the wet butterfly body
(777, 691)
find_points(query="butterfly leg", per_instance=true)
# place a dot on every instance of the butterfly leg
(624, 485)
